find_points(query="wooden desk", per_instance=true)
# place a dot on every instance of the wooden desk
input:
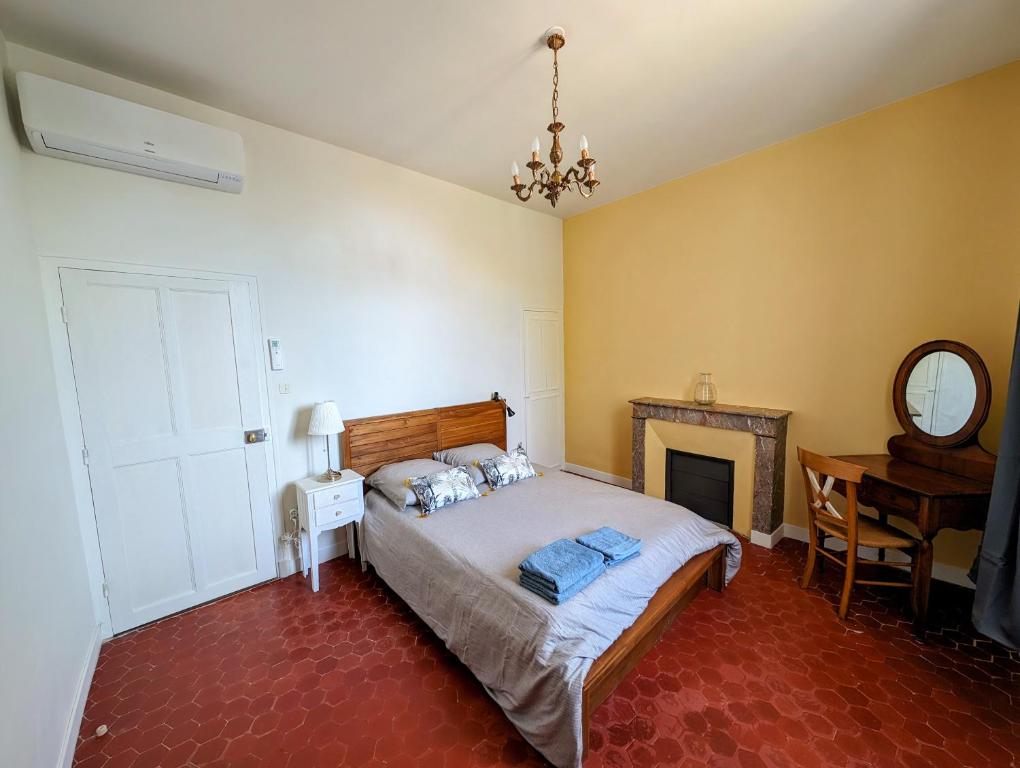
(930, 499)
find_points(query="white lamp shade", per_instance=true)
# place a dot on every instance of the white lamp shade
(325, 419)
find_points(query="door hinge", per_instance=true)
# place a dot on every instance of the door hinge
(106, 590)
(85, 456)
(63, 314)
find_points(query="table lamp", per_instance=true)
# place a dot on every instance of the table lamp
(326, 421)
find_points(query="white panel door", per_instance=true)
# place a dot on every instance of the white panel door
(543, 386)
(165, 370)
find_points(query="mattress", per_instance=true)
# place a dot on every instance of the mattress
(457, 569)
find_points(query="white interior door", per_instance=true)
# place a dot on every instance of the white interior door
(543, 386)
(165, 371)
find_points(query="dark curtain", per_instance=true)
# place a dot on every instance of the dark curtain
(997, 600)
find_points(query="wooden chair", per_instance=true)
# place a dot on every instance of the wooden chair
(824, 520)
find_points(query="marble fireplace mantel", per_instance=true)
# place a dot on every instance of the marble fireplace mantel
(766, 424)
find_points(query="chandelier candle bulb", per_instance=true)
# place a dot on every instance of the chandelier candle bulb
(515, 171)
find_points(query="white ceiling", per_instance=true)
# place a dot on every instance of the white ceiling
(457, 88)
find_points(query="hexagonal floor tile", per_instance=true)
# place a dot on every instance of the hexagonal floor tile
(764, 674)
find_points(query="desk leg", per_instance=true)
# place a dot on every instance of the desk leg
(922, 583)
(883, 518)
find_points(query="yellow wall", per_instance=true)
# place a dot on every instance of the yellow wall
(801, 274)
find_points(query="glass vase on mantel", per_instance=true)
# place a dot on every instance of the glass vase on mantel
(704, 390)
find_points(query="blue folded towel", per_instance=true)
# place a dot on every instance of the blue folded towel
(622, 560)
(613, 545)
(559, 566)
(537, 586)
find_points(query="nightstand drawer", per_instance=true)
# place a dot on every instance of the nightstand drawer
(327, 515)
(336, 495)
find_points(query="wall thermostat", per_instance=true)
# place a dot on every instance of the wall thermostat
(275, 355)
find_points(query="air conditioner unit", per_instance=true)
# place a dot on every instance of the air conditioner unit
(75, 123)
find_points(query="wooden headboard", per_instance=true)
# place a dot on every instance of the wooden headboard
(370, 442)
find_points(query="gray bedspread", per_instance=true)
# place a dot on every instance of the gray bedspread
(457, 569)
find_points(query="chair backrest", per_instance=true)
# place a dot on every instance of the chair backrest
(820, 473)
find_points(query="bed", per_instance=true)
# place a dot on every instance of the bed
(547, 666)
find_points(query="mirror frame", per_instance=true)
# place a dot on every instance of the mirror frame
(983, 385)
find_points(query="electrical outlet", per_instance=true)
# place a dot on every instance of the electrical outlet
(285, 389)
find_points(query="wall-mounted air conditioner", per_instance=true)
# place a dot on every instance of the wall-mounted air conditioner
(73, 123)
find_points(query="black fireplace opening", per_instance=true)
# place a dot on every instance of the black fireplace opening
(703, 484)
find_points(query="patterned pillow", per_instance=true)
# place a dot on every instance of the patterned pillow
(441, 488)
(507, 468)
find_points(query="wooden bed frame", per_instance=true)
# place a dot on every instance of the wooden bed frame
(369, 443)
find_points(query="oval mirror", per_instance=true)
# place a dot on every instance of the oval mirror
(941, 393)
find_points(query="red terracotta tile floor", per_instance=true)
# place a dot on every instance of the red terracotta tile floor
(762, 675)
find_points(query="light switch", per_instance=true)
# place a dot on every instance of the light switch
(284, 389)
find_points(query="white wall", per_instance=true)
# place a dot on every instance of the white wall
(47, 633)
(390, 290)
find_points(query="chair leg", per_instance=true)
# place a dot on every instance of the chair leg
(848, 583)
(809, 569)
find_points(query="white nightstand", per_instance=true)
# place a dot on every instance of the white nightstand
(325, 507)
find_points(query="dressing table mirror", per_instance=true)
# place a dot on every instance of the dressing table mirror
(936, 474)
(941, 396)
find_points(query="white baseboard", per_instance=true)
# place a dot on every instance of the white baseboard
(795, 532)
(81, 695)
(940, 571)
(288, 566)
(597, 474)
(769, 540)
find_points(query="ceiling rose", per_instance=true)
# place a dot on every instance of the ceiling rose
(553, 183)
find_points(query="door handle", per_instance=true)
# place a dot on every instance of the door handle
(254, 436)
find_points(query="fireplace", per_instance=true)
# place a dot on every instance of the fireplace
(703, 484)
(754, 438)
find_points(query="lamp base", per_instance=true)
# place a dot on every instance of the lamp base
(329, 476)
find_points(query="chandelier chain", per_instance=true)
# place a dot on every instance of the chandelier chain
(556, 88)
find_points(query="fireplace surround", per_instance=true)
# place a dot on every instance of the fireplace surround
(767, 425)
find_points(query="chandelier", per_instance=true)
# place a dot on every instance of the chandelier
(553, 183)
